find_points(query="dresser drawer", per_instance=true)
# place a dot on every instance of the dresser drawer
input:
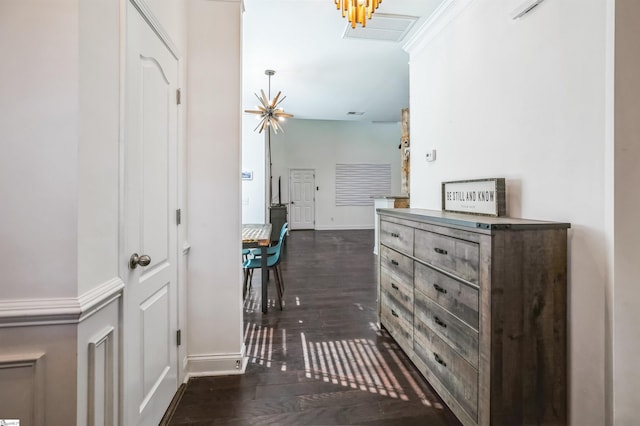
(398, 308)
(457, 256)
(396, 236)
(397, 319)
(399, 290)
(462, 338)
(396, 265)
(458, 298)
(458, 376)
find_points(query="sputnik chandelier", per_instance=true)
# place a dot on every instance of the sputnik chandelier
(269, 111)
(357, 11)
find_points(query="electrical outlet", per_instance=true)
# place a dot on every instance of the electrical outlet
(431, 155)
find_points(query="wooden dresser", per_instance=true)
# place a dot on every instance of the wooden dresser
(479, 305)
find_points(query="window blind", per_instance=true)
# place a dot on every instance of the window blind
(357, 183)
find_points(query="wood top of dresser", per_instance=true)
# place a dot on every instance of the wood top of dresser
(470, 221)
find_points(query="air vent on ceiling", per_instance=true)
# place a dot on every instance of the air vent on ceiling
(383, 27)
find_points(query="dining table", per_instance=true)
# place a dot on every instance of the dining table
(258, 235)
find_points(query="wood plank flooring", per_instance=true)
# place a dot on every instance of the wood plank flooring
(322, 360)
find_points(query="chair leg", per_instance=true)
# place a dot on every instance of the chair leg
(281, 279)
(245, 283)
(278, 286)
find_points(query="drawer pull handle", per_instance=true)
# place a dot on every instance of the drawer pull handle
(440, 289)
(393, 234)
(440, 251)
(394, 313)
(395, 262)
(439, 360)
(439, 322)
(395, 287)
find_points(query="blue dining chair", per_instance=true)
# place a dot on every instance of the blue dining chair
(273, 263)
(256, 252)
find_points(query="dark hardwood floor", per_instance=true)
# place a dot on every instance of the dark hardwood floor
(322, 360)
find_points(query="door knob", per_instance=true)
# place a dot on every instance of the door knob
(142, 260)
(293, 202)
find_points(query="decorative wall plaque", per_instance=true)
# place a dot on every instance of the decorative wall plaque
(480, 196)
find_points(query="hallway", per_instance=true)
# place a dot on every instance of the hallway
(322, 359)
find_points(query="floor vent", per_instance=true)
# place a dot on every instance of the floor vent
(382, 27)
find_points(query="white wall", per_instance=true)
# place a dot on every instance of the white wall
(626, 269)
(320, 145)
(253, 160)
(38, 223)
(39, 122)
(98, 143)
(213, 167)
(525, 100)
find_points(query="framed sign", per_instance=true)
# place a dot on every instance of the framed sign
(480, 196)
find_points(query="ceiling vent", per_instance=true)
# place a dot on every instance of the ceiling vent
(382, 27)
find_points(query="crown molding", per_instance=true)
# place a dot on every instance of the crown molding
(52, 311)
(147, 14)
(439, 19)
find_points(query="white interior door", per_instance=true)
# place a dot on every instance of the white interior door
(302, 198)
(150, 201)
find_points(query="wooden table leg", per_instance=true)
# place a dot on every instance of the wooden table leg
(265, 278)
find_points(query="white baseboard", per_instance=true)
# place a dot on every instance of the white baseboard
(343, 227)
(216, 364)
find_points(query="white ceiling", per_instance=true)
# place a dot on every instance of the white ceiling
(323, 75)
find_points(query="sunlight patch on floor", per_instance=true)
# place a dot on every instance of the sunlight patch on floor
(359, 364)
(253, 301)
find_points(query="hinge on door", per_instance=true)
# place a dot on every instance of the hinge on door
(178, 96)
(178, 337)
(179, 216)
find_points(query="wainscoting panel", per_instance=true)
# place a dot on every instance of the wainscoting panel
(101, 379)
(99, 361)
(22, 390)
